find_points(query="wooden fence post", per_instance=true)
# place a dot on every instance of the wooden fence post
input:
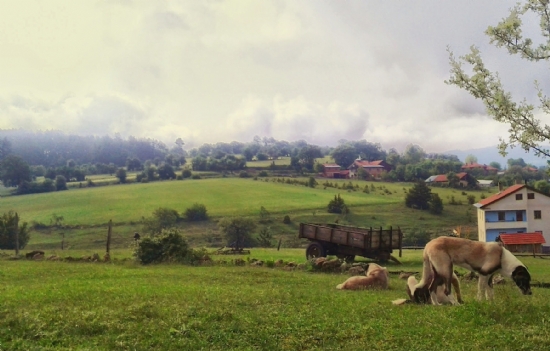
(16, 225)
(108, 254)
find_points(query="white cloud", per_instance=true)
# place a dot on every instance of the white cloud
(212, 71)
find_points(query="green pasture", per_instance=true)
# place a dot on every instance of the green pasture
(86, 211)
(106, 306)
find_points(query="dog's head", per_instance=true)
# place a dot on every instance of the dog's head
(422, 295)
(522, 278)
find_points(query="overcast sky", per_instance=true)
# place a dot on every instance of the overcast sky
(210, 71)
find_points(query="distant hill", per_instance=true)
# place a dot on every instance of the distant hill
(490, 154)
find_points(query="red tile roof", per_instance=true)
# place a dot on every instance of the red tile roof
(443, 177)
(500, 195)
(477, 165)
(522, 238)
(331, 165)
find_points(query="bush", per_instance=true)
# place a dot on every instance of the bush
(196, 176)
(60, 183)
(197, 212)
(263, 174)
(286, 219)
(169, 246)
(471, 199)
(337, 205)
(436, 204)
(186, 173)
(121, 175)
(244, 174)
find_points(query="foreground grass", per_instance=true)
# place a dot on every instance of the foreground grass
(66, 306)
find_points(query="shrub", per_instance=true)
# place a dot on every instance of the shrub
(311, 182)
(263, 174)
(186, 173)
(196, 176)
(197, 212)
(471, 199)
(244, 174)
(169, 246)
(121, 175)
(60, 183)
(337, 205)
(265, 237)
(436, 204)
(286, 219)
(238, 231)
(265, 216)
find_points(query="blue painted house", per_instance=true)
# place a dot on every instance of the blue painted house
(516, 210)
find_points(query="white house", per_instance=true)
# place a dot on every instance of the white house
(518, 209)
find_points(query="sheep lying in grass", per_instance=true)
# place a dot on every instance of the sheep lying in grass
(375, 277)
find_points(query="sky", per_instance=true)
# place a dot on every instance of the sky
(221, 71)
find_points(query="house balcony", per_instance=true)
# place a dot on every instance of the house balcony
(505, 224)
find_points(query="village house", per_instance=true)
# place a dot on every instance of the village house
(441, 179)
(332, 170)
(374, 168)
(515, 211)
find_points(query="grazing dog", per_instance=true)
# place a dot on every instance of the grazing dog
(375, 277)
(485, 259)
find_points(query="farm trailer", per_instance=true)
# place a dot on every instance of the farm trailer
(346, 242)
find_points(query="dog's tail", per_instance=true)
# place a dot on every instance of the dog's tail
(427, 273)
(400, 302)
(340, 286)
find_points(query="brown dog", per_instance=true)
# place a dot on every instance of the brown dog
(486, 259)
(375, 277)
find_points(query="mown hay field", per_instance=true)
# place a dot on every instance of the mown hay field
(98, 306)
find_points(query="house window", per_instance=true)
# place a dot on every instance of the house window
(530, 196)
(538, 214)
(519, 216)
(519, 196)
(501, 216)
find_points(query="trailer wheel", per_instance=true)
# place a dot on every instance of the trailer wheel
(314, 250)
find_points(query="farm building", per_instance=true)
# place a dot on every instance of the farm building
(332, 170)
(473, 166)
(527, 242)
(441, 179)
(374, 168)
(516, 210)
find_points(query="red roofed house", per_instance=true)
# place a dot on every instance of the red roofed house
(517, 210)
(374, 168)
(486, 169)
(332, 170)
(442, 179)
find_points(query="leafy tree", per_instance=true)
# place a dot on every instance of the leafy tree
(163, 218)
(133, 164)
(362, 174)
(260, 156)
(344, 155)
(308, 154)
(186, 173)
(525, 129)
(311, 182)
(14, 170)
(419, 196)
(495, 165)
(238, 231)
(197, 212)
(543, 186)
(453, 179)
(516, 162)
(60, 183)
(8, 223)
(413, 154)
(5, 148)
(121, 175)
(166, 172)
(470, 159)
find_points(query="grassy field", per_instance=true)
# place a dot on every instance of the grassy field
(94, 306)
(86, 211)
